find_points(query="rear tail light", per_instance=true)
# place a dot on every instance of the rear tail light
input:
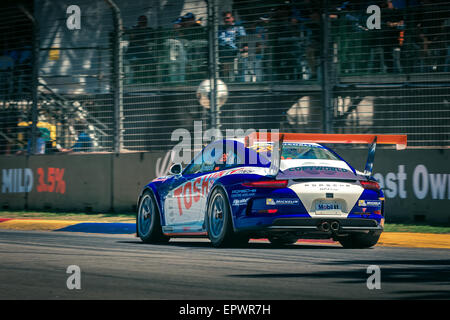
(267, 184)
(268, 211)
(370, 185)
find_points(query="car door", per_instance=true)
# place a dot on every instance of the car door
(184, 199)
(172, 211)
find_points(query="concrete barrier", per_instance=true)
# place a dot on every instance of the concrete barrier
(75, 182)
(131, 172)
(416, 182)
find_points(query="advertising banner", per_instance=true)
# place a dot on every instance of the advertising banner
(416, 183)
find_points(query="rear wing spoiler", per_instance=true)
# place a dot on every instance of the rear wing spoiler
(400, 142)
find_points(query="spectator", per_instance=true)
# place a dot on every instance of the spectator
(446, 31)
(297, 33)
(281, 45)
(43, 136)
(23, 68)
(392, 23)
(412, 54)
(353, 39)
(174, 57)
(287, 46)
(140, 53)
(190, 29)
(84, 141)
(314, 26)
(229, 44)
(432, 34)
(6, 75)
(245, 67)
(8, 133)
(261, 61)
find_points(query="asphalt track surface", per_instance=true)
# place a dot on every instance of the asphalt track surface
(33, 265)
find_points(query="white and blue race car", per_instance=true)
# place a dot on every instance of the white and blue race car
(282, 188)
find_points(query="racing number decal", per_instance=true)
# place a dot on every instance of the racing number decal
(55, 180)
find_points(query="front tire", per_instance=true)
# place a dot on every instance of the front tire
(360, 240)
(148, 220)
(219, 222)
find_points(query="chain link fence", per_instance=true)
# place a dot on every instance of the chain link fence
(118, 76)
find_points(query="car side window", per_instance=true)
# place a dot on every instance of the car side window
(195, 166)
(210, 160)
(203, 162)
(214, 158)
(220, 159)
(232, 159)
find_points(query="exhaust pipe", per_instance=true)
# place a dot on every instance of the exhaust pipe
(324, 226)
(335, 226)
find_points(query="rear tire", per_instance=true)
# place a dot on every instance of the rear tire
(219, 222)
(148, 220)
(360, 240)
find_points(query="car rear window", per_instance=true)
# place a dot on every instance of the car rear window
(297, 151)
(306, 152)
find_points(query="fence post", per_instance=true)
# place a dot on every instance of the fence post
(213, 62)
(34, 80)
(118, 77)
(327, 89)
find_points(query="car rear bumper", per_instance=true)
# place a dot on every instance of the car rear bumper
(314, 225)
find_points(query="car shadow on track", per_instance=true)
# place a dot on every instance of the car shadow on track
(425, 294)
(422, 274)
(251, 245)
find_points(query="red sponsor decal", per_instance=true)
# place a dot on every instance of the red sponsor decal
(53, 181)
(196, 189)
(205, 185)
(177, 194)
(187, 195)
(192, 191)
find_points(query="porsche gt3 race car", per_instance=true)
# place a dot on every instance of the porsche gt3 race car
(282, 188)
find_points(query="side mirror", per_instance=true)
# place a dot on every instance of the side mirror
(176, 169)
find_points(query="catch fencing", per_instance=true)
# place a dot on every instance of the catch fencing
(120, 76)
